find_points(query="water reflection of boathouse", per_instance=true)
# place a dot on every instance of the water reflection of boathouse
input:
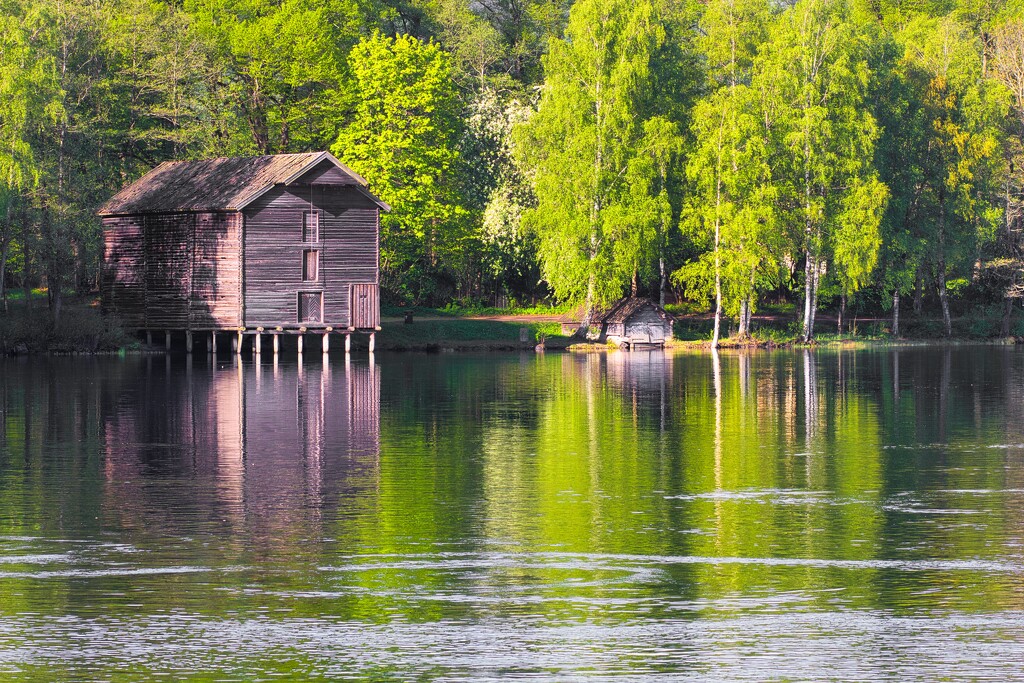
(271, 444)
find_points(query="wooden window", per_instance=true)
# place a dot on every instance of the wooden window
(311, 226)
(310, 265)
(311, 307)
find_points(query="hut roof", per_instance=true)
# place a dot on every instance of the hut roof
(618, 312)
(226, 183)
(629, 306)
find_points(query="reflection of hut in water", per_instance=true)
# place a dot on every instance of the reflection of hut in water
(256, 448)
(631, 321)
(644, 378)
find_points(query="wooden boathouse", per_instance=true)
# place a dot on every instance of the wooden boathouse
(630, 322)
(278, 244)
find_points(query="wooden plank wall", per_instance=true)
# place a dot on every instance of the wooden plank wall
(365, 307)
(173, 271)
(274, 247)
(648, 323)
(169, 243)
(122, 278)
(216, 271)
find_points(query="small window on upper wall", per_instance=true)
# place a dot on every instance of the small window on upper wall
(311, 226)
(310, 265)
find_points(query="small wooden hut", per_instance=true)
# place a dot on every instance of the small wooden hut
(630, 321)
(286, 243)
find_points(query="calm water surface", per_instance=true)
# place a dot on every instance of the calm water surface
(792, 515)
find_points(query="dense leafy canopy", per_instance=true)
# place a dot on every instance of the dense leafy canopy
(816, 152)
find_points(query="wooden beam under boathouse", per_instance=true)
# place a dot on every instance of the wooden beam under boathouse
(285, 244)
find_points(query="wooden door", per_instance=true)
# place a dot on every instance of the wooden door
(364, 307)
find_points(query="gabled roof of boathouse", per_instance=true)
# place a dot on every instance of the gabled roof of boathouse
(617, 312)
(222, 184)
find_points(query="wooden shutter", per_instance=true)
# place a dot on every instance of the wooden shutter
(310, 265)
(311, 226)
(364, 306)
(311, 306)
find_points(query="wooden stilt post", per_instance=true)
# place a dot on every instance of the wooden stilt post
(348, 344)
(238, 343)
(213, 342)
(149, 337)
(327, 342)
(277, 341)
(373, 339)
(188, 342)
(167, 339)
(300, 343)
(259, 341)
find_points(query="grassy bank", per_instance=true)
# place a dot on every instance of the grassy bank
(440, 334)
(781, 329)
(80, 329)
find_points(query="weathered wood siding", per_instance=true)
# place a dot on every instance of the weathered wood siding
(647, 325)
(273, 273)
(217, 271)
(173, 270)
(168, 243)
(122, 279)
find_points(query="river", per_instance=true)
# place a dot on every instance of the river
(787, 515)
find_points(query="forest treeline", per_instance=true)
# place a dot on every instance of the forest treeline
(728, 152)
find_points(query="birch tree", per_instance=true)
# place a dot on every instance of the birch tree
(732, 199)
(588, 150)
(825, 140)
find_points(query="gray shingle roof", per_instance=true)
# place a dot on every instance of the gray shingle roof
(617, 312)
(226, 183)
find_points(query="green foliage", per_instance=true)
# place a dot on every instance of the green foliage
(404, 138)
(597, 154)
(542, 148)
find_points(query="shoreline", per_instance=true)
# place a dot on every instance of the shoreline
(497, 346)
(84, 331)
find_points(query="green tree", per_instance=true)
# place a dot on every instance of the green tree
(960, 109)
(730, 210)
(274, 73)
(592, 149)
(404, 138)
(815, 65)
(22, 76)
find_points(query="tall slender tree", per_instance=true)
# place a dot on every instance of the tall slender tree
(588, 148)
(825, 139)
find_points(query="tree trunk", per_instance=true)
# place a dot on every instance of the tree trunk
(744, 330)
(896, 313)
(1007, 317)
(918, 293)
(940, 286)
(809, 269)
(662, 282)
(718, 322)
(26, 283)
(588, 309)
(814, 299)
(940, 275)
(842, 313)
(3, 270)
(5, 244)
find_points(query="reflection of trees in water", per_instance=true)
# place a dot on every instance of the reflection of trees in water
(787, 454)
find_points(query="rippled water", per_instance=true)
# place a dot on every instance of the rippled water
(790, 515)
